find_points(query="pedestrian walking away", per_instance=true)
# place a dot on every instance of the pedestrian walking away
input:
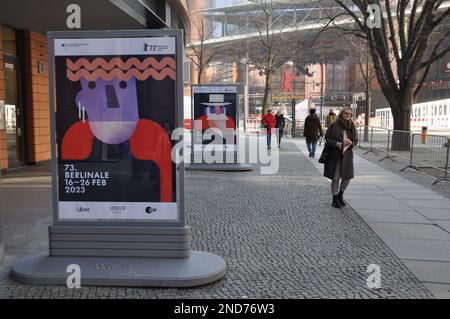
(312, 132)
(280, 123)
(341, 138)
(268, 122)
(331, 118)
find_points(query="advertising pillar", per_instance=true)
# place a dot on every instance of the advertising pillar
(215, 113)
(118, 196)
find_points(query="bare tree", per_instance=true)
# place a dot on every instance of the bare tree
(403, 46)
(200, 53)
(322, 50)
(359, 54)
(265, 54)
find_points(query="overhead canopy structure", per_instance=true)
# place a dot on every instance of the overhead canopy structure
(235, 23)
(51, 15)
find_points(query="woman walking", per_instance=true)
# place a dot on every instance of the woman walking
(341, 137)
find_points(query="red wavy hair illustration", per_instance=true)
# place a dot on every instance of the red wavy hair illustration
(116, 73)
(116, 68)
(119, 63)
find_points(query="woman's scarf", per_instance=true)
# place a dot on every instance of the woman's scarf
(348, 126)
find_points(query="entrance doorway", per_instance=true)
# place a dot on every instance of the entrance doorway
(14, 116)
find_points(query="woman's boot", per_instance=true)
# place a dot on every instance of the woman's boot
(336, 202)
(341, 198)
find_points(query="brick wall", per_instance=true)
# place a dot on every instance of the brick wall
(36, 97)
(3, 146)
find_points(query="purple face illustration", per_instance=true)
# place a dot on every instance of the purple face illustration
(111, 107)
(214, 110)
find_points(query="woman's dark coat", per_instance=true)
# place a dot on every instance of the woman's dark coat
(334, 135)
(312, 129)
(280, 122)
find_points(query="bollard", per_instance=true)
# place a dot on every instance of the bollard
(424, 135)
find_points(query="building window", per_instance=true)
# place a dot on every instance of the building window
(9, 42)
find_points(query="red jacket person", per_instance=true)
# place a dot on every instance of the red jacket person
(268, 122)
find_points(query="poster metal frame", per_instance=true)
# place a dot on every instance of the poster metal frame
(236, 120)
(179, 175)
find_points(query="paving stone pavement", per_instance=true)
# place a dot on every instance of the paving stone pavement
(277, 233)
(425, 179)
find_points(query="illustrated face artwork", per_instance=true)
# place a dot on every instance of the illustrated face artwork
(216, 113)
(108, 110)
(217, 118)
(111, 107)
(108, 92)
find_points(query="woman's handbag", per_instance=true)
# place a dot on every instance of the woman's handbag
(325, 155)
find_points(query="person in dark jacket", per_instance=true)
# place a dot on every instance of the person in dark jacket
(268, 122)
(312, 131)
(280, 123)
(341, 138)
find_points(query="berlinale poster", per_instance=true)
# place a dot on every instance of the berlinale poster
(215, 115)
(115, 110)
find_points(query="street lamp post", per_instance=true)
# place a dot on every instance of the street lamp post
(321, 89)
(246, 86)
(367, 111)
(294, 120)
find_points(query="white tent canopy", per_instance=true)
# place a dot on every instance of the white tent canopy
(302, 110)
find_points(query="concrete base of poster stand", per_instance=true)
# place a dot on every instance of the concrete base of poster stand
(234, 167)
(198, 269)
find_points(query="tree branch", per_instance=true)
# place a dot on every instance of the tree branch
(392, 35)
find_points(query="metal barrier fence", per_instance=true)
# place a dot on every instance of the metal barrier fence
(420, 151)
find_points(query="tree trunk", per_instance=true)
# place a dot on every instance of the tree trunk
(267, 89)
(321, 90)
(401, 137)
(199, 75)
